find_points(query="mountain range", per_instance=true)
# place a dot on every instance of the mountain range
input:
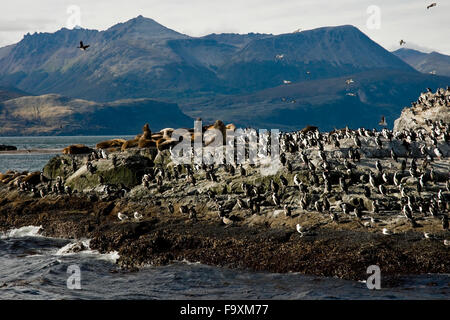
(433, 62)
(246, 79)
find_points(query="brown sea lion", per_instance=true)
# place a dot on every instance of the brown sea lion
(163, 144)
(146, 143)
(167, 133)
(33, 178)
(146, 132)
(157, 136)
(308, 129)
(110, 144)
(230, 126)
(130, 144)
(77, 149)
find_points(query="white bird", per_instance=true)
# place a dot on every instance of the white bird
(297, 180)
(386, 231)
(287, 81)
(299, 228)
(227, 221)
(446, 242)
(138, 216)
(428, 235)
(348, 81)
(437, 152)
(122, 216)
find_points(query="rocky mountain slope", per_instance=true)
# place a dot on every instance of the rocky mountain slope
(7, 93)
(141, 58)
(238, 78)
(328, 103)
(433, 62)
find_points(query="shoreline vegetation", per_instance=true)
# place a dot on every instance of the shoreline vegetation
(340, 202)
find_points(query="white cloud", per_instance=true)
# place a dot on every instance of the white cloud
(408, 20)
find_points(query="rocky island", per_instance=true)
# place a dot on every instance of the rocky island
(337, 203)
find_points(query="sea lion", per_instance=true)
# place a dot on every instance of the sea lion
(230, 126)
(146, 132)
(308, 129)
(113, 143)
(219, 125)
(77, 149)
(146, 143)
(130, 144)
(167, 133)
(163, 144)
(33, 178)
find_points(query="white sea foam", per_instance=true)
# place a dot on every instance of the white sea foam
(83, 247)
(27, 231)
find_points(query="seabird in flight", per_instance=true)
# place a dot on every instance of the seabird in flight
(82, 46)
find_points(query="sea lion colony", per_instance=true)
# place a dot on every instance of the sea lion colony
(382, 180)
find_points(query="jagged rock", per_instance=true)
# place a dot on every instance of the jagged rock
(429, 106)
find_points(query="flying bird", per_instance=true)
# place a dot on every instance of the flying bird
(82, 46)
(432, 5)
(348, 81)
(382, 121)
(402, 42)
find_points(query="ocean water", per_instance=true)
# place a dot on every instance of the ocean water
(35, 267)
(36, 151)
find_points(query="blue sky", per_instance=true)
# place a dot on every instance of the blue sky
(399, 19)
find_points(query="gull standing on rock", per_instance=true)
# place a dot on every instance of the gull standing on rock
(138, 216)
(122, 216)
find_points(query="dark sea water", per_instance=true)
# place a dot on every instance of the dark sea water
(35, 267)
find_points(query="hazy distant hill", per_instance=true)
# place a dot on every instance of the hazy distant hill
(141, 58)
(56, 115)
(327, 103)
(425, 62)
(7, 93)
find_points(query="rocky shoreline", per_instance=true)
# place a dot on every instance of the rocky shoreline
(162, 237)
(341, 202)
